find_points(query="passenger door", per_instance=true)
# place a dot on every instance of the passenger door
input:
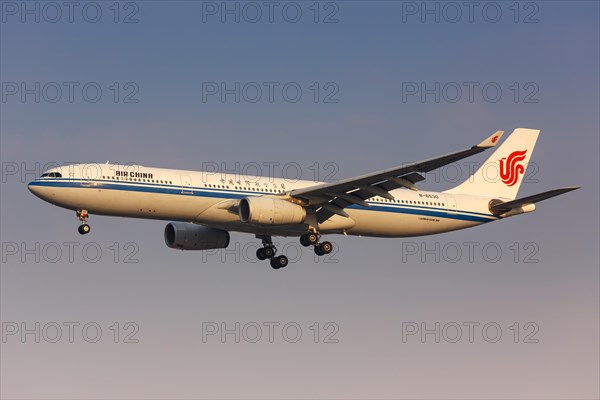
(450, 204)
(186, 184)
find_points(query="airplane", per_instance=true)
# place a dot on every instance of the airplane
(205, 207)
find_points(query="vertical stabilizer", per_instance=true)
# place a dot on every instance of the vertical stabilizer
(501, 175)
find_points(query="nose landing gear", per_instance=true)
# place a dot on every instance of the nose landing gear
(84, 228)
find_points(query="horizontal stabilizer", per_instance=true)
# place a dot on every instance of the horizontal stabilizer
(509, 205)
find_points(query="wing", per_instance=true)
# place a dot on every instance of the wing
(331, 198)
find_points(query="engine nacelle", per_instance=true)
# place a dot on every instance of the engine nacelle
(270, 211)
(187, 236)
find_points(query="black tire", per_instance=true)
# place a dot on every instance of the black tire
(260, 254)
(304, 241)
(84, 229)
(311, 238)
(319, 250)
(279, 262)
(326, 247)
(269, 252)
(282, 261)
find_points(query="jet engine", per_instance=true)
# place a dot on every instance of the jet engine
(187, 236)
(270, 211)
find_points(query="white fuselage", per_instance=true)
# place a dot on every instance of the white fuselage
(203, 198)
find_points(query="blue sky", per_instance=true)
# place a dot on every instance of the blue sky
(547, 71)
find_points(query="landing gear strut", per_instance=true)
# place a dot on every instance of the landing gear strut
(312, 239)
(84, 228)
(268, 251)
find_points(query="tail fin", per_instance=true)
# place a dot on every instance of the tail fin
(501, 175)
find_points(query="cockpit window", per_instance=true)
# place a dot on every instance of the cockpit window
(52, 175)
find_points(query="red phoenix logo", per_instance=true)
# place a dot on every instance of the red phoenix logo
(494, 139)
(510, 169)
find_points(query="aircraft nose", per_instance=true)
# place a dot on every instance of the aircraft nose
(33, 188)
(42, 191)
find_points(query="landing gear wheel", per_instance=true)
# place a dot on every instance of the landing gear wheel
(279, 262)
(83, 215)
(326, 247)
(269, 252)
(304, 241)
(319, 250)
(311, 238)
(260, 254)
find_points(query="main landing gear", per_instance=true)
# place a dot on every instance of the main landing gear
(312, 239)
(268, 251)
(84, 228)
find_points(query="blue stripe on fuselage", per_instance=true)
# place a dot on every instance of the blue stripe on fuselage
(226, 194)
